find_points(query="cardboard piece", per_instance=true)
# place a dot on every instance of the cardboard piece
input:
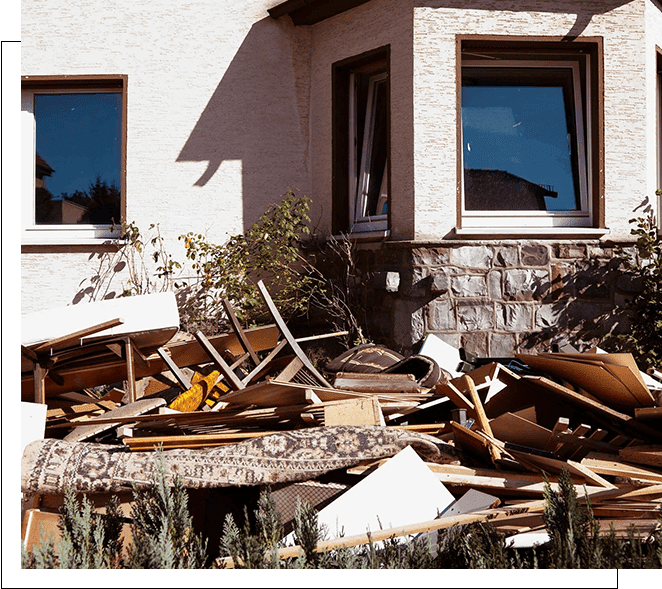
(400, 492)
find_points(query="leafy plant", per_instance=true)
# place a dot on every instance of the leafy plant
(163, 535)
(269, 251)
(644, 268)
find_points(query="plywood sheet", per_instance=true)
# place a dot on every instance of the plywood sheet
(400, 492)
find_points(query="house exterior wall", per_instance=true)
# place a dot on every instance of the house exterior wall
(229, 108)
(217, 117)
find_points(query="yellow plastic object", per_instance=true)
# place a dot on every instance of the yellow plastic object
(191, 399)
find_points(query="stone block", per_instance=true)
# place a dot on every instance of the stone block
(550, 316)
(535, 255)
(476, 343)
(507, 256)
(439, 283)
(430, 256)
(469, 286)
(525, 285)
(413, 281)
(503, 345)
(388, 281)
(441, 315)
(408, 322)
(475, 315)
(571, 250)
(494, 285)
(514, 316)
(472, 256)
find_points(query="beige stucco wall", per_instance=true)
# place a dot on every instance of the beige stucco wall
(654, 152)
(217, 114)
(229, 108)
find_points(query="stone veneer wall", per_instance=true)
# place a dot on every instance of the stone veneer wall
(492, 298)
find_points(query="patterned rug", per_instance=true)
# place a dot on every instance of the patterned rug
(52, 466)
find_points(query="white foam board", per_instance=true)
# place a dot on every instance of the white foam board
(33, 423)
(400, 492)
(445, 355)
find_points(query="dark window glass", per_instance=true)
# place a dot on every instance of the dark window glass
(78, 159)
(520, 149)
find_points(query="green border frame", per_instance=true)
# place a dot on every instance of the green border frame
(11, 573)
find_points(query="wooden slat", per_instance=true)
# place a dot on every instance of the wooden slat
(288, 336)
(650, 455)
(229, 311)
(231, 378)
(66, 340)
(182, 379)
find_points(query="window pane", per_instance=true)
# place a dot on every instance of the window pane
(519, 140)
(78, 171)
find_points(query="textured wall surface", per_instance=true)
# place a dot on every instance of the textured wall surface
(217, 114)
(229, 108)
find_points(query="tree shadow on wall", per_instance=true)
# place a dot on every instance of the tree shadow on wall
(587, 305)
(258, 114)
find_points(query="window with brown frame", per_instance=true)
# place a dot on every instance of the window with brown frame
(530, 155)
(74, 136)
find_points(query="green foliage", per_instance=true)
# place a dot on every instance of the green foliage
(163, 535)
(644, 268)
(572, 527)
(269, 251)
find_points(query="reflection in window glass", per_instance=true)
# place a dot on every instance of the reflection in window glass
(78, 159)
(519, 139)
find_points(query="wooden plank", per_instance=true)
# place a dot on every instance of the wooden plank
(601, 410)
(596, 378)
(562, 424)
(231, 378)
(288, 336)
(182, 379)
(650, 455)
(229, 311)
(130, 372)
(376, 382)
(554, 465)
(607, 464)
(72, 338)
(648, 412)
(482, 420)
(457, 397)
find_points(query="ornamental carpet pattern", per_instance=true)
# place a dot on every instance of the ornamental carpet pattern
(52, 466)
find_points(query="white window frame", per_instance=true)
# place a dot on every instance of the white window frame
(483, 220)
(359, 172)
(31, 233)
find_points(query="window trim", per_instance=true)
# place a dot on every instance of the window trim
(345, 173)
(538, 50)
(31, 233)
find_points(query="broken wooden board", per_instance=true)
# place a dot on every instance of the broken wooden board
(620, 420)
(376, 383)
(509, 427)
(92, 428)
(354, 412)
(615, 385)
(109, 368)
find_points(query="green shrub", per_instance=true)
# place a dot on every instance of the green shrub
(644, 268)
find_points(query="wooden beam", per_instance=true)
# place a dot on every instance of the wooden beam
(69, 339)
(182, 379)
(288, 336)
(229, 311)
(130, 372)
(222, 365)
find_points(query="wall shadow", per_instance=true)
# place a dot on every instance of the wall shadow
(258, 114)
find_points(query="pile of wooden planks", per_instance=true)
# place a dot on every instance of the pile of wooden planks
(593, 414)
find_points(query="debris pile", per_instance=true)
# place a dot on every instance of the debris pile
(377, 442)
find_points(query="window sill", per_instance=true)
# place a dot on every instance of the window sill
(361, 236)
(529, 232)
